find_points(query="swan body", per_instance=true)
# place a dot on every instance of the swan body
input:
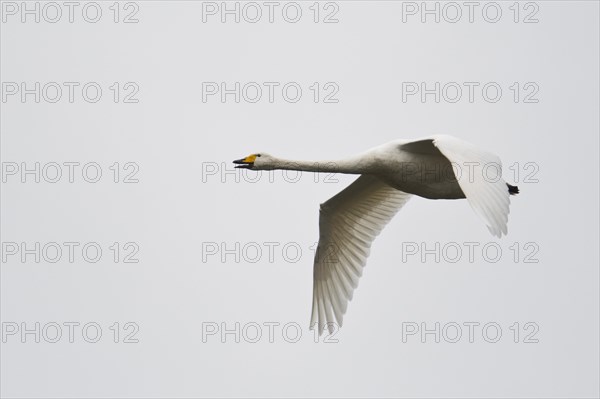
(435, 167)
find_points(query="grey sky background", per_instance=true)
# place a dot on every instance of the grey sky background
(178, 207)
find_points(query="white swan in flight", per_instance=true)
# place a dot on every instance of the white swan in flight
(436, 167)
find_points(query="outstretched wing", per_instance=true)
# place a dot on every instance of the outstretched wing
(479, 176)
(348, 224)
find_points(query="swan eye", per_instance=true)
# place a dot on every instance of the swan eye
(258, 155)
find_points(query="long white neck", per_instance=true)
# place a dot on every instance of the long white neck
(358, 164)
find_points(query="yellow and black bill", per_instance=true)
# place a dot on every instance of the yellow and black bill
(245, 163)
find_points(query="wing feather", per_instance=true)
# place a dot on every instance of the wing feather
(487, 195)
(349, 222)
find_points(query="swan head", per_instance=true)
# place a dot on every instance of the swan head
(259, 161)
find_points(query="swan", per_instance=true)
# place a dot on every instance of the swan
(436, 167)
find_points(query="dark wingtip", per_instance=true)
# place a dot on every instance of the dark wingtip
(513, 190)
